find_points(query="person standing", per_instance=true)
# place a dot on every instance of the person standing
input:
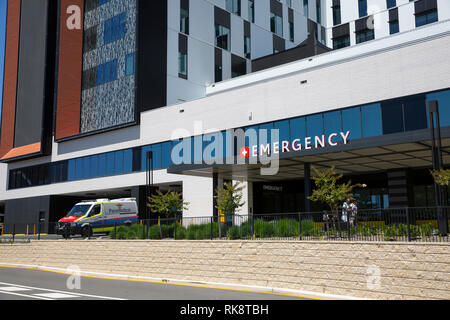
(345, 210)
(354, 212)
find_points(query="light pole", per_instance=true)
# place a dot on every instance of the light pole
(436, 150)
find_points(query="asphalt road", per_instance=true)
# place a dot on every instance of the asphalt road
(26, 284)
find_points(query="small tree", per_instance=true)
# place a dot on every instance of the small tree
(167, 204)
(441, 177)
(329, 191)
(229, 199)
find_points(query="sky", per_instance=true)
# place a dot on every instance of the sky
(2, 49)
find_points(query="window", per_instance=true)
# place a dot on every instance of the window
(394, 27)
(426, 18)
(276, 24)
(392, 114)
(251, 11)
(238, 66)
(305, 8)
(291, 31)
(351, 121)
(234, 6)
(443, 99)
(318, 12)
(314, 125)
(365, 35)
(222, 37)
(182, 65)
(184, 16)
(362, 7)
(247, 47)
(341, 42)
(391, 3)
(371, 120)
(332, 122)
(107, 72)
(115, 28)
(183, 56)
(415, 113)
(337, 15)
(130, 65)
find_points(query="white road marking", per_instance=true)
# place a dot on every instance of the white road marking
(76, 294)
(13, 289)
(24, 295)
(55, 295)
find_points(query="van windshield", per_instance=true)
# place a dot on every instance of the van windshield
(79, 210)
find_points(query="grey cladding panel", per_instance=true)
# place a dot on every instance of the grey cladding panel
(31, 72)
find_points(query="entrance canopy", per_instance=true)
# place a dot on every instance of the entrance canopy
(370, 155)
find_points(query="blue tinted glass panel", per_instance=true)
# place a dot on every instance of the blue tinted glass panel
(351, 121)
(100, 74)
(86, 168)
(123, 24)
(265, 133)
(210, 145)
(371, 120)
(110, 164)
(144, 157)
(283, 130)
(251, 137)
(415, 113)
(93, 166)
(118, 166)
(157, 153)
(130, 64)
(392, 113)
(128, 161)
(102, 165)
(166, 155)
(443, 99)
(314, 125)
(79, 169)
(71, 170)
(298, 128)
(332, 122)
(107, 33)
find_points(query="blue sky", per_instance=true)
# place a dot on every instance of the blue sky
(2, 49)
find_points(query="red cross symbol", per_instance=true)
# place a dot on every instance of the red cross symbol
(245, 152)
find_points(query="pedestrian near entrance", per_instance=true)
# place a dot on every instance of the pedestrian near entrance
(354, 212)
(346, 209)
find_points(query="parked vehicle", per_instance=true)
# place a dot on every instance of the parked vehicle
(100, 215)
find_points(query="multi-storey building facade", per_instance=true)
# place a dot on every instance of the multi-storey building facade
(82, 106)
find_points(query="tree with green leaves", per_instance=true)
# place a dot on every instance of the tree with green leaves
(329, 191)
(229, 198)
(168, 204)
(441, 177)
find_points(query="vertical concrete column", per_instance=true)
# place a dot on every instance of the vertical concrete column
(198, 192)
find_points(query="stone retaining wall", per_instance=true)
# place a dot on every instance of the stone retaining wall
(366, 270)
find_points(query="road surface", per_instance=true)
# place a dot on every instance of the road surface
(28, 284)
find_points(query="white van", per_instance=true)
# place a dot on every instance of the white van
(100, 215)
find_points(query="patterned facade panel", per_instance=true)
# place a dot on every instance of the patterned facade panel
(110, 101)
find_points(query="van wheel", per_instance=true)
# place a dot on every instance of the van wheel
(86, 232)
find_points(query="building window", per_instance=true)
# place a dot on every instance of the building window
(276, 24)
(362, 7)
(318, 12)
(238, 66)
(426, 18)
(247, 47)
(251, 11)
(234, 6)
(391, 4)
(115, 28)
(306, 8)
(107, 72)
(394, 27)
(365, 35)
(222, 37)
(337, 15)
(130, 64)
(291, 31)
(341, 42)
(182, 65)
(184, 21)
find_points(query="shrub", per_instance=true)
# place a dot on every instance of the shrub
(308, 227)
(181, 232)
(233, 233)
(154, 232)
